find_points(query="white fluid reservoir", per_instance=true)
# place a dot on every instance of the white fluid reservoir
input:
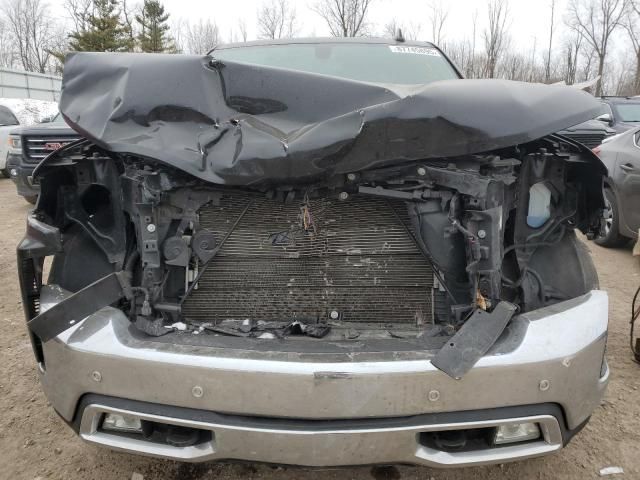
(539, 205)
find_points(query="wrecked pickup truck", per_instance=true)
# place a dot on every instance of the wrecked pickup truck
(319, 252)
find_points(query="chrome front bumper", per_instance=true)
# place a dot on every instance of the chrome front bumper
(555, 356)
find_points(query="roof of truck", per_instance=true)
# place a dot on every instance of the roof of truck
(311, 40)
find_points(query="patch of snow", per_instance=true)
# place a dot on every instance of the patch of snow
(30, 111)
(178, 326)
(611, 471)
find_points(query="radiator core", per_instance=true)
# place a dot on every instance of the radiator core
(353, 259)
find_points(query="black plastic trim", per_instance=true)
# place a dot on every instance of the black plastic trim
(324, 424)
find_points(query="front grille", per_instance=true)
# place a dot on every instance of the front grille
(361, 262)
(38, 147)
(590, 140)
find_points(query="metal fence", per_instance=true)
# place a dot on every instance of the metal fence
(20, 84)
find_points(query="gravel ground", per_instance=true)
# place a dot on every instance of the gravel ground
(35, 443)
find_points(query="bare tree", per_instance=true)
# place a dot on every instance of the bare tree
(128, 18)
(391, 28)
(242, 28)
(495, 35)
(633, 29)
(79, 10)
(529, 74)
(621, 73)
(8, 55)
(345, 18)
(197, 38)
(277, 19)
(589, 58)
(463, 53)
(547, 63)
(410, 31)
(514, 67)
(34, 33)
(572, 54)
(470, 72)
(437, 18)
(597, 20)
(239, 34)
(460, 53)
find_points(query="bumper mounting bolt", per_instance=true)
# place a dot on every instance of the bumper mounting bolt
(434, 395)
(544, 385)
(97, 376)
(197, 391)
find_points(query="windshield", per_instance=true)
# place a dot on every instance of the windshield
(58, 119)
(627, 112)
(368, 62)
(7, 118)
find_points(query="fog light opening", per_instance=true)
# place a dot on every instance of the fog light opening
(154, 432)
(13, 172)
(115, 422)
(516, 433)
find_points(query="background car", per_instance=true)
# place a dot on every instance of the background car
(590, 133)
(8, 122)
(29, 145)
(621, 155)
(620, 113)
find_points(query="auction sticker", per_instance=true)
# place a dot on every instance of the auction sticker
(415, 50)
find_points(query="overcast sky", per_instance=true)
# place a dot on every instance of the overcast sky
(529, 19)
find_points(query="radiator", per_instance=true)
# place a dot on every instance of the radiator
(351, 260)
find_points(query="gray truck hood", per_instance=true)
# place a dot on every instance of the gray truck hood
(240, 124)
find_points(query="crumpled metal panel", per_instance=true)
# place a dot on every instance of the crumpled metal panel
(240, 124)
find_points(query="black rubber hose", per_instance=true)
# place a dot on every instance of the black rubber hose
(635, 313)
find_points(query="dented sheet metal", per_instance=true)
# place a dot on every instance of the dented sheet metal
(240, 124)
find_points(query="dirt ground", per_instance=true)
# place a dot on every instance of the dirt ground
(36, 444)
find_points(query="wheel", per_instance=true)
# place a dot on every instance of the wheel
(5, 173)
(32, 199)
(611, 237)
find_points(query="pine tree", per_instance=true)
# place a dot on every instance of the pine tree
(154, 30)
(103, 30)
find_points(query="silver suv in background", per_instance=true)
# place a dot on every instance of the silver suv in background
(621, 155)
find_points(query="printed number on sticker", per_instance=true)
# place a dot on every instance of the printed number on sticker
(414, 50)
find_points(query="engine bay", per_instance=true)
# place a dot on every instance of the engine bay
(404, 252)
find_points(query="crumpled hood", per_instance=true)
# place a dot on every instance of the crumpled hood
(241, 124)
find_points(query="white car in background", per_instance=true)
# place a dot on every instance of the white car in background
(21, 112)
(8, 123)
